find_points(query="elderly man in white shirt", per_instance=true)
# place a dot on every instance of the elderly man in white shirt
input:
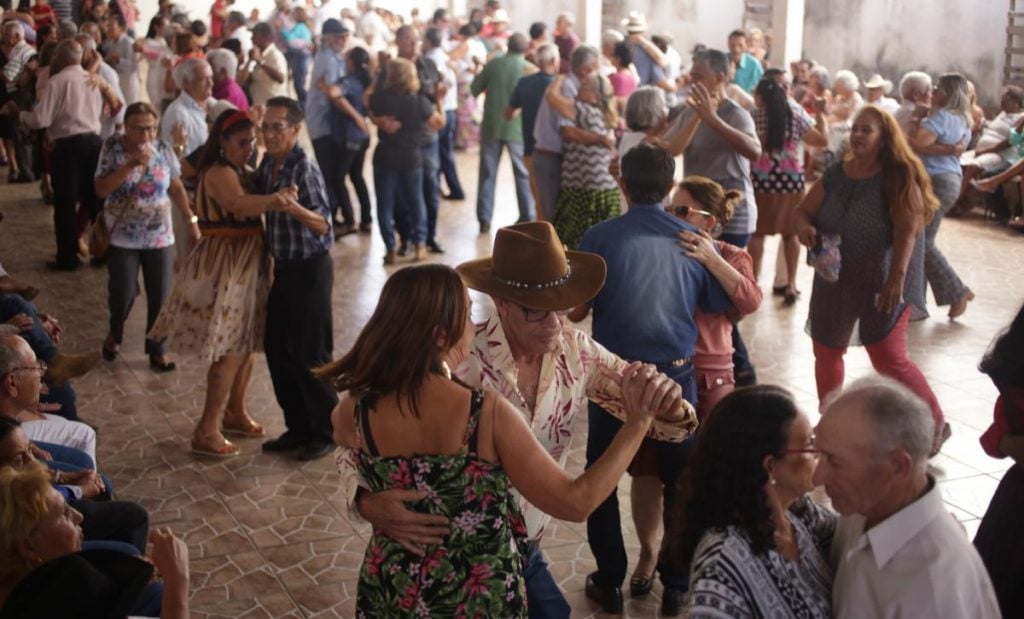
(109, 124)
(195, 78)
(897, 551)
(915, 90)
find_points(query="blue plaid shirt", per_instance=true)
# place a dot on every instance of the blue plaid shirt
(287, 238)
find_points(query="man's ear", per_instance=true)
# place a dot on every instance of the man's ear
(902, 463)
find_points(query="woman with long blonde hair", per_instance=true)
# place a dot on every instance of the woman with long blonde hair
(863, 223)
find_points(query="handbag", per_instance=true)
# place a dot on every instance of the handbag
(99, 236)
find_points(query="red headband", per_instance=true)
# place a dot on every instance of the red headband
(233, 120)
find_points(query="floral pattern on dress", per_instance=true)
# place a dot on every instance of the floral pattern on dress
(478, 572)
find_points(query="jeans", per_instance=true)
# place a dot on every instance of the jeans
(544, 598)
(299, 63)
(400, 204)
(889, 358)
(490, 156)
(446, 151)
(123, 286)
(604, 528)
(547, 174)
(945, 283)
(431, 185)
(299, 337)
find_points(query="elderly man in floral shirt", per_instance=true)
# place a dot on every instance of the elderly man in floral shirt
(527, 352)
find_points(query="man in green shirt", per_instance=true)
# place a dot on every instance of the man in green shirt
(498, 79)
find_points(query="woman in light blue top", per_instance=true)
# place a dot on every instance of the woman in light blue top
(938, 136)
(299, 38)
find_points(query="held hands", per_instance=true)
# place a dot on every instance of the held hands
(414, 531)
(647, 393)
(282, 198)
(700, 247)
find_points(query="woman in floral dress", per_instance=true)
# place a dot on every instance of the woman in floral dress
(413, 427)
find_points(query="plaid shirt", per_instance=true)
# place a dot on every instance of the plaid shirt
(287, 238)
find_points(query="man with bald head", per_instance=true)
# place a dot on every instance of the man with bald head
(897, 551)
(71, 109)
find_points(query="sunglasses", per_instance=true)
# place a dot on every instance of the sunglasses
(684, 211)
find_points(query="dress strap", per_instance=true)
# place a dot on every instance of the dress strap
(469, 441)
(362, 419)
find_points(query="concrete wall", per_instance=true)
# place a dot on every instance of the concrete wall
(895, 36)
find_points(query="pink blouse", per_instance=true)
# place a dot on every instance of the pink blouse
(714, 331)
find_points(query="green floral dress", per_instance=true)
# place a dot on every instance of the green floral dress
(478, 571)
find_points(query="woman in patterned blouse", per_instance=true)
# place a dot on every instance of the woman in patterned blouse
(755, 541)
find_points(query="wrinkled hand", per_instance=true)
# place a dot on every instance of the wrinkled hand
(700, 247)
(808, 236)
(414, 531)
(169, 554)
(39, 453)
(703, 103)
(21, 322)
(891, 295)
(646, 392)
(283, 196)
(179, 135)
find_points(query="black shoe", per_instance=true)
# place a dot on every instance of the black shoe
(779, 291)
(283, 444)
(455, 197)
(640, 586)
(672, 602)
(161, 366)
(434, 247)
(71, 265)
(610, 600)
(403, 248)
(485, 227)
(314, 451)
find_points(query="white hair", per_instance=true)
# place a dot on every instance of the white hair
(9, 357)
(902, 420)
(611, 38)
(847, 79)
(914, 81)
(546, 54)
(188, 71)
(223, 59)
(14, 25)
(821, 73)
(568, 16)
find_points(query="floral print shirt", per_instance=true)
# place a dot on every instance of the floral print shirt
(569, 377)
(138, 213)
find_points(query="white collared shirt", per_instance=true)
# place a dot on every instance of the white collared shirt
(186, 111)
(915, 563)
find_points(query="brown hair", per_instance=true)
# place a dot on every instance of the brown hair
(710, 195)
(397, 349)
(139, 108)
(401, 76)
(902, 170)
(23, 498)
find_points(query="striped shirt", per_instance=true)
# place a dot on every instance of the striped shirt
(287, 237)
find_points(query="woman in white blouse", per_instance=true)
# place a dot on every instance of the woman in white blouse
(755, 541)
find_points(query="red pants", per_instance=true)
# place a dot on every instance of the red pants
(889, 357)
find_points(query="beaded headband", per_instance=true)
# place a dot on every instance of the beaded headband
(541, 286)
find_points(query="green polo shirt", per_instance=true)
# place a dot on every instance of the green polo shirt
(498, 79)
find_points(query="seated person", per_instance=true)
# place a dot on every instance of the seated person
(897, 550)
(20, 385)
(118, 521)
(44, 572)
(755, 542)
(998, 147)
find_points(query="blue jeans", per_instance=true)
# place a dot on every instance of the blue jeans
(490, 156)
(544, 598)
(299, 63)
(604, 527)
(431, 185)
(446, 150)
(400, 202)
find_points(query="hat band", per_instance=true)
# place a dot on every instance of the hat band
(511, 283)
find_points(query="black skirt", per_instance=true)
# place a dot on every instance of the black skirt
(1000, 542)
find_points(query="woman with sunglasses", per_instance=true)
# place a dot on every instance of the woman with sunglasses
(755, 541)
(217, 307)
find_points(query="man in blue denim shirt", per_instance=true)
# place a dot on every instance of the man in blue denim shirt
(644, 313)
(299, 332)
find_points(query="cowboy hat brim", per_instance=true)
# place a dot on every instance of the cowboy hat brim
(586, 279)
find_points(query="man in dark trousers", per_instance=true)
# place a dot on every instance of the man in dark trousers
(299, 333)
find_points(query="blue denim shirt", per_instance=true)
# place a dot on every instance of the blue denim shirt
(287, 238)
(645, 310)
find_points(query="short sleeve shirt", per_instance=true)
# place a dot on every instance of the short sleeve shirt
(788, 160)
(948, 128)
(262, 86)
(647, 70)
(138, 213)
(710, 155)
(748, 72)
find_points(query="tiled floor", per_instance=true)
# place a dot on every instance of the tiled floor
(269, 538)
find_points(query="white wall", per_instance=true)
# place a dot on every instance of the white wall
(895, 36)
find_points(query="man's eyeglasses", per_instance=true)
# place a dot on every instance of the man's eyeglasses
(275, 127)
(684, 211)
(534, 316)
(40, 369)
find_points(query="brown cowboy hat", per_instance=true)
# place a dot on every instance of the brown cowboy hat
(531, 267)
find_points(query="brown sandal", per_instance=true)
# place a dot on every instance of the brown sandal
(225, 449)
(247, 428)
